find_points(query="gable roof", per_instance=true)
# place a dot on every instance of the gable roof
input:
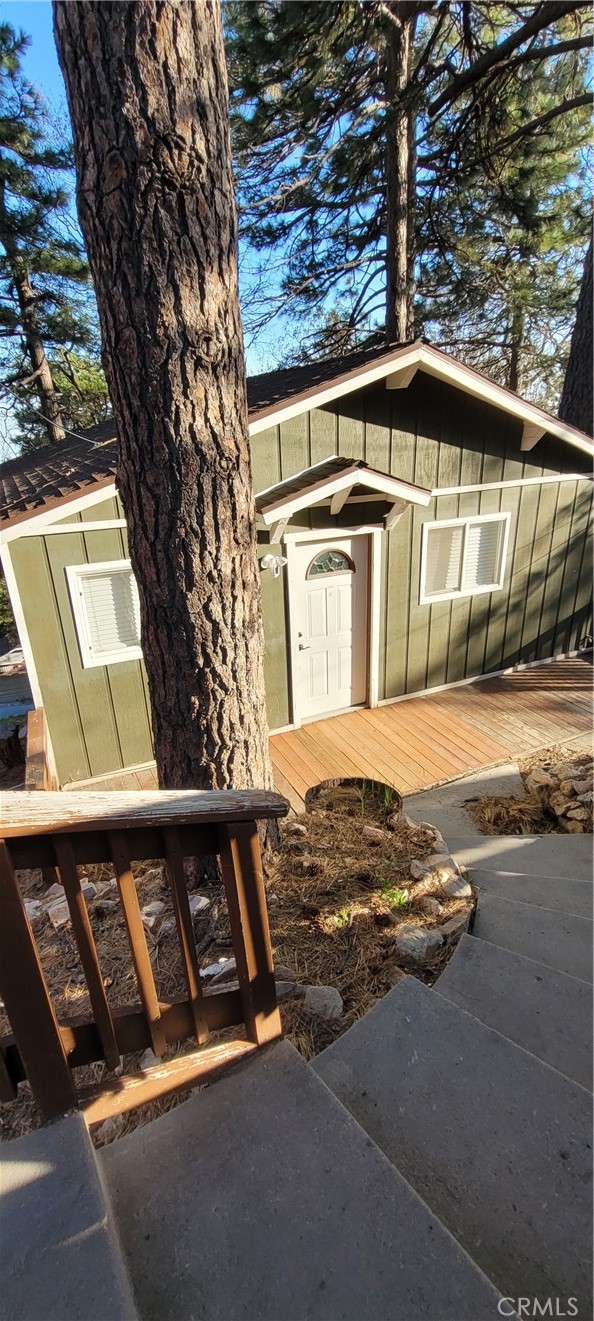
(334, 477)
(54, 475)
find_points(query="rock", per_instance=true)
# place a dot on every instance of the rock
(395, 820)
(323, 1002)
(283, 973)
(583, 787)
(421, 870)
(538, 777)
(151, 912)
(566, 787)
(167, 928)
(373, 835)
(289, 991)
(296, 828)
(148, 1059)
(573, 827)
(55, 892)
(213, 969)
(228, 970)
(558, 803)
(102, 907)
(110, 1128)
(59, 914)
(199, 905)
(457, 887)
(429, 905)
(456, 925)
(33, 909)
(394, 974)
(89, 890)
(578, 814)
(417, 944)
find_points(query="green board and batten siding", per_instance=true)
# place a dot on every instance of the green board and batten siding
(428, 433)
(436, 436)
(98, 717)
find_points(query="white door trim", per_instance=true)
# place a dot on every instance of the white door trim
(374, 534)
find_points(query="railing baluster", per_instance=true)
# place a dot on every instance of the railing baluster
(185, 931)
(83, 934)
(28, 1004)
(241, 865)
(137, 938)
(8, 1088)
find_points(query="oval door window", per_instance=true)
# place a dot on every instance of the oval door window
(330, 561)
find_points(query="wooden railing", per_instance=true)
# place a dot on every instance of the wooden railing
(63, 832)
(39, 762)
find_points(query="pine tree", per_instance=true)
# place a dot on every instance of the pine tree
(365, 133)
(46, 302)
(158, 215)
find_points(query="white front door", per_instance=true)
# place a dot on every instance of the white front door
(329, 617)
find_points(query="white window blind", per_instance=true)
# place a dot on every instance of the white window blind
(481, 557)
(107, 612)
(444, 560)
(463, 557)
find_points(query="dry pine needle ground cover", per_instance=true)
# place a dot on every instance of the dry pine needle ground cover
(337, 902)
(534, 814)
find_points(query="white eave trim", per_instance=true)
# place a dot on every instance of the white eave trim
(395, 368)
(378, 484)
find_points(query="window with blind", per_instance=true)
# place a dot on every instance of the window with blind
(106, 612)
(463, 557)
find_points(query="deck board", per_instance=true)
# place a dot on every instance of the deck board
(425, 740)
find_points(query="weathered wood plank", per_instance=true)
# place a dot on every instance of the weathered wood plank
(27, 1002)
(123, 1094)
(33, 813)
(185, 930)
(87, 949)
(241, 866)
(137, 939)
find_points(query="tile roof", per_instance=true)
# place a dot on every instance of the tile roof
(44, 477)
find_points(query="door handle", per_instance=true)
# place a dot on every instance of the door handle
(302, 648)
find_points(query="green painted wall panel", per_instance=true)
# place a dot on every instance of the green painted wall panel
(92, 693)
(294, 446)
(427, 433)
(38, 602)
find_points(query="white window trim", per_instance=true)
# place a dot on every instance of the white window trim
(456, 595)
(74, 572)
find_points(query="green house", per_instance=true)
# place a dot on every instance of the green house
(418, 526)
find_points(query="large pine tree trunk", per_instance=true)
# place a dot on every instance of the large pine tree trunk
(576, 400)
(399, 23)
(148, 99)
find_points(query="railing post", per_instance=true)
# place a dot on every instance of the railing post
(241, 866)
(28, 1004)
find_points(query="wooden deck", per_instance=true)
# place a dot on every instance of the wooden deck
(425, 740)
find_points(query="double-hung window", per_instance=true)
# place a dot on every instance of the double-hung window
(463, 557)
(106, 612)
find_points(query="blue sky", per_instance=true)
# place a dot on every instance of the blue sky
(41, 66)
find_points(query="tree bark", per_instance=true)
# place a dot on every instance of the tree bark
(147, 90)
(400, 174)
(576, 404)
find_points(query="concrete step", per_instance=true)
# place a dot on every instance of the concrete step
(559, 940)
(561, 895)
(544, 1011)
(61, 1257)
(445, 805)
(566, 856)
(496, 1142)
(262, 1199)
